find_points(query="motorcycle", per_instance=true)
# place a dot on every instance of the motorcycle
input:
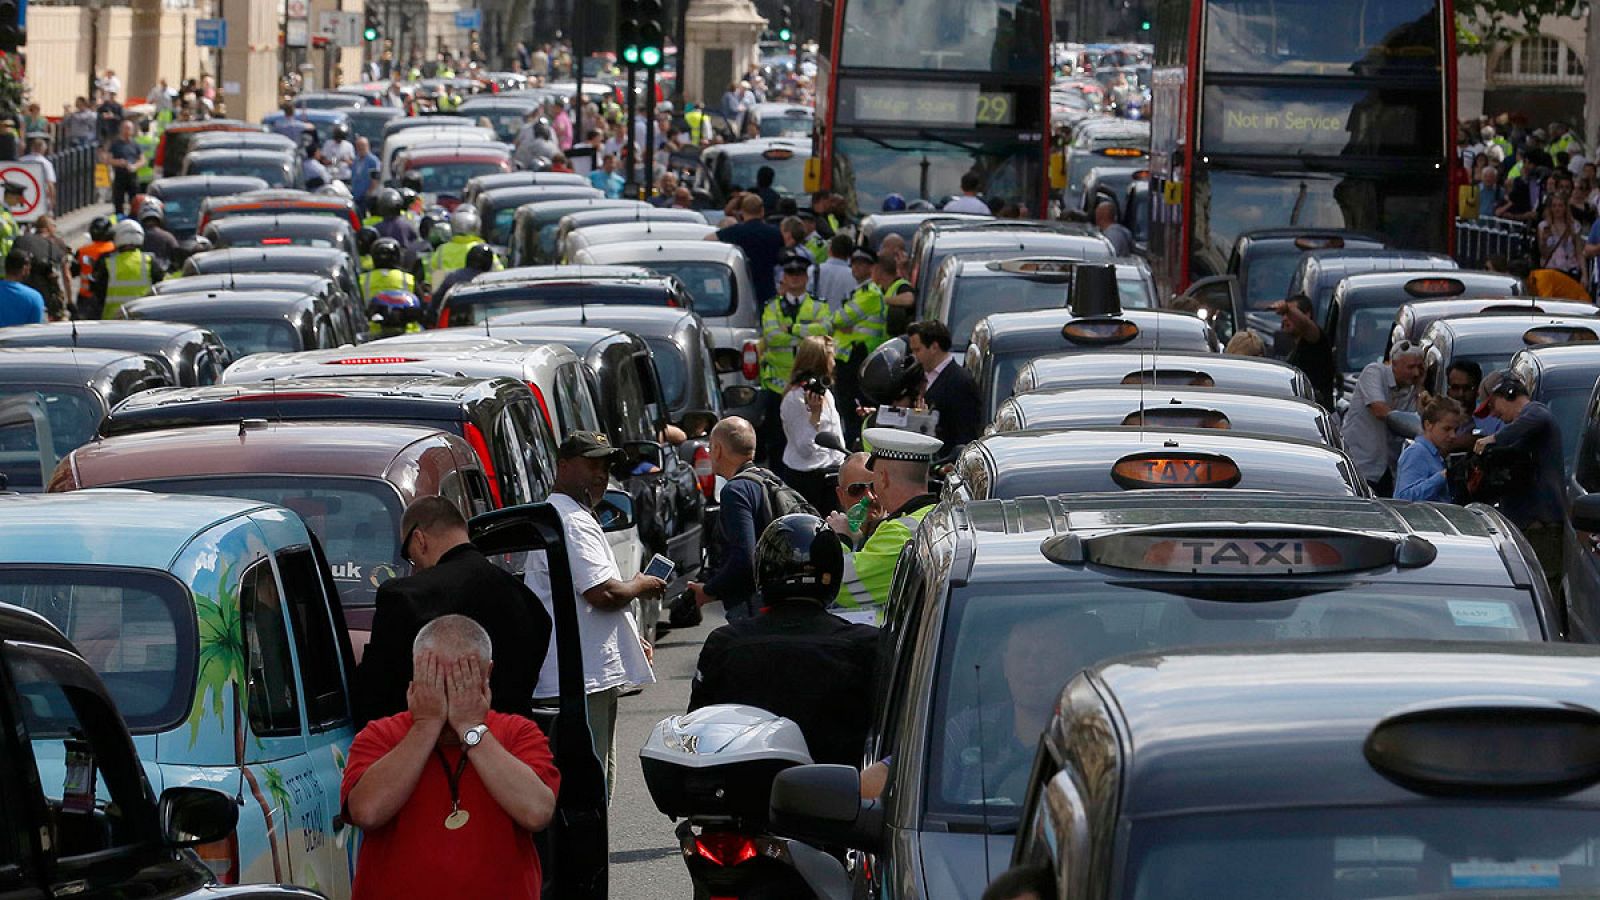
(713, 768)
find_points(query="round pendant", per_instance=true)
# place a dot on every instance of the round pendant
(456, 819)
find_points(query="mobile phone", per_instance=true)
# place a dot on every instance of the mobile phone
(660, 567)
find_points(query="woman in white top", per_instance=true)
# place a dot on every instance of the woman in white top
(807, 411)
(1559, 241)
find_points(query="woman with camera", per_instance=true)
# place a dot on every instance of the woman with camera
(811, 426)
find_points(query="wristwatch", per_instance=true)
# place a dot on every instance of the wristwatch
(474, 735)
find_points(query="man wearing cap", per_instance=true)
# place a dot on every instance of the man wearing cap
(789, 318)
(1535, 506)
(614, 656)
(859, 328)
(900, 463)
(8, 226)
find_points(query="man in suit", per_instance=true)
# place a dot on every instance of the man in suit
(948, 387)
(450, 577)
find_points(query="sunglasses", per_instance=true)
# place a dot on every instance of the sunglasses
(857, 488)
(405, 545)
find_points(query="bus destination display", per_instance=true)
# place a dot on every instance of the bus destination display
(921, 104)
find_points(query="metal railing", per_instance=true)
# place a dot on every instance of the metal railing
(75, 177)
(1486, 236)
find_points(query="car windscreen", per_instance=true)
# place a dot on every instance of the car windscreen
(63, 417)
(274, 175)
(710, 284)
(1008, 649)
(1366, 335)
(134, 627)
(451, 178)
(672, 368)
(356, 519)
(474, 308)
(182, 212)
(243, 337)
(1460, 847)
(786, 126)
(789, 173)
(1269, 270)
(498, 229)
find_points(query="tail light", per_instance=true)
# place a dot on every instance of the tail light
(161, 153)
(544, 408)
(481, 447)
(751, 361)
(444, 318)
(222, 858)
(370, 361)
(702, 471)
(725, 848)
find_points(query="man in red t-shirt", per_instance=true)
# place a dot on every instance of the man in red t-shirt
(449, 794)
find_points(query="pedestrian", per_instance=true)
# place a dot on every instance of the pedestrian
(158, 241)
(1105, 220)
(797, 660)
(859, 512)
(900, 464)
(109, 83)
(81, 123)
(37, 149)
(760, 240)
(765, 177)
(1246, 343)
(449, 792)
(969, 201)
(19, 304)
(363, 171)
(615, 658)
(1382, 414)
(126, 273)
(948, 388)
(743, 514)
(1491, 194)
(125, 159)
(109, 116)
(787, 319)
(338, 154)
(289, 125)
(1312, 352)
(100, 231)
(1421, 472)
(449, 576)
(812, 432)
(666, 187)
(49, 273)
(313, 171)
(1463, 384)
(832, 281)
(1535, 503)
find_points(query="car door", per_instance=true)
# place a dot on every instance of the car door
(577, 833)
(1219, 296)
(1582, 551)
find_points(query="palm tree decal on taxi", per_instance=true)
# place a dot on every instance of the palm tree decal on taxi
(220, 674)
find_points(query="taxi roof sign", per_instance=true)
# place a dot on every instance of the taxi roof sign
(1491, 745)
(1100, 331)
(1558, 334)
(778, 153)
(1240, 550)
(1173, 467)
(1179, 417)
(1170, 378)
(1436, 287)
(1330, 242)
(1062, 268)
(1122, 151)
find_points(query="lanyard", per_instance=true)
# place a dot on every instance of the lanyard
(458, 816)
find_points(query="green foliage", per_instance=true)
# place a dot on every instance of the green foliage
(1482, 24)
(13, 92)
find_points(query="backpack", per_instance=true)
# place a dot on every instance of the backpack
(782, 500)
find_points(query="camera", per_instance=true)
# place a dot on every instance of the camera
(815, 386)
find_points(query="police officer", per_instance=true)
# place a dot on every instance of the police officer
(365, 238)
(816, 245)
(392, 223)
(860, 327)
(8, 226)
(158, 241)
(796, 659)
(386, 274)
(126, 273)
(480, 259)
(452, 255)
(900, 463)
(788, 318)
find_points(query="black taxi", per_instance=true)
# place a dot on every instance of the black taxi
(965, 290)
(1250, 374)
(1011, 464)
(996, 604)
(195, 355)
(335, 265)
(54, 842)
(1165, 407)
(1003, 343)
(1413, 319)
(250, 321)
(1491, 340)
(939, 239)
(1185, 774)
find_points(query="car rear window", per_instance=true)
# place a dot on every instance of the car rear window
(135, 627)
(474, 308)
(710, 284)
(356, 519)
(451, 178)
(243, 337)
(274, 176)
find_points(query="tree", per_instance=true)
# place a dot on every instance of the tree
(1482, 24)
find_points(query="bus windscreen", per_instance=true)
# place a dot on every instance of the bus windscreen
(1309, 37)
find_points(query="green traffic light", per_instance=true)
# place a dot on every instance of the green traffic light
(1145, 25)
(370, 33)
(650, 57)
(630, 54)
(785, 34)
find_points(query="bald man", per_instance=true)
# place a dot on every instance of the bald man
(743, 514)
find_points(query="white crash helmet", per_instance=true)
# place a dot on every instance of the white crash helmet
(464, 221)
(128, 233)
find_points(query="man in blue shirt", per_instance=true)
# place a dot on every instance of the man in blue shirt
(19, 304)
(1420, 474)
(361, 172)
(607, 178)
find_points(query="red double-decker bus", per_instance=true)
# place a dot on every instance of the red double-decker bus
(912, 94)
(1298, 113)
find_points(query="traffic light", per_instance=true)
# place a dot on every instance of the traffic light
(371, 33)
(652, 34)
(1144, 25)
(13, 20)
(628, 20)
(786, 26)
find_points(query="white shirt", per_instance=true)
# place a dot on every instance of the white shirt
(340, 154)
(966, 204)
(612, 656)
(833, 283)
(44, 161)
(801, 453)
(928, 378)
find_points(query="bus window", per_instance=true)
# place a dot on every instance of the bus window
(1309, 37)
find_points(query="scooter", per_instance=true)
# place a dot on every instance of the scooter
(713, 768)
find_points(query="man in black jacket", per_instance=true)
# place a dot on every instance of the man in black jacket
(741, 517)
(948, 387)
(450, 577)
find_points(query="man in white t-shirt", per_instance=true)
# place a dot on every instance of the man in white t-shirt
(969, 201)
(614, 656)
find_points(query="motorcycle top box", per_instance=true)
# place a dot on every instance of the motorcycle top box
(720, 761)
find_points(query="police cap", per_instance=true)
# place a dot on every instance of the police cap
(795, 264)
(908, 446)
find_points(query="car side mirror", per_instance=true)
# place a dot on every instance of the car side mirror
(614, 512)
(737, 395)
(727, 359)
(192, 816)
(697, 422)
(822, 804)
(1586, 513)
(637, 452)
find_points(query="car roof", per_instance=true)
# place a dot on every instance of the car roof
(206, 184)
(470, 355)
(1290, 234)
(435, 155)
(213, 125)
(1331, 261)
(1564, 365)
(303, 282)
(366, 449)
(645, 321)
(279, 195)
(1157, 327)
(1497, 324)
(227, 257)
(242, 153)
(1269, 372)
(52, 365)
(1428, 311)
(47, 333)
(1191, 721)
(643, 252)
(977, 267)
(759, 146)
(276, 220)
(643, 230)
(523, 194)
(1474, 281)
(564, 272)
(220, 304)
(108, 528)
(1074, 460)
(1049, 403)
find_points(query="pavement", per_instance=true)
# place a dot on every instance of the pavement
(645, 861)
(74, 226)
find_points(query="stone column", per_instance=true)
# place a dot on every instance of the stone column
(251, 58)
(721, 38)
(145, 62)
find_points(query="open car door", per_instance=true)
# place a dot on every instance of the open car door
(27, 448)
(576, 865)
(1223, 304)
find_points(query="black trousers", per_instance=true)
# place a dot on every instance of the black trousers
(124, 185)
(770, 439)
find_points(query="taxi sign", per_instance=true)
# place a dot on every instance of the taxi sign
(1059, 267)
(1557, 334)
(1170, 417)
(1174, 468)
(1318, 243)
(778, 153)
(1100, 331)
(1490, 746)
(1435, 287)
(1170, 378)
(1122, 151)
(1241, 550)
